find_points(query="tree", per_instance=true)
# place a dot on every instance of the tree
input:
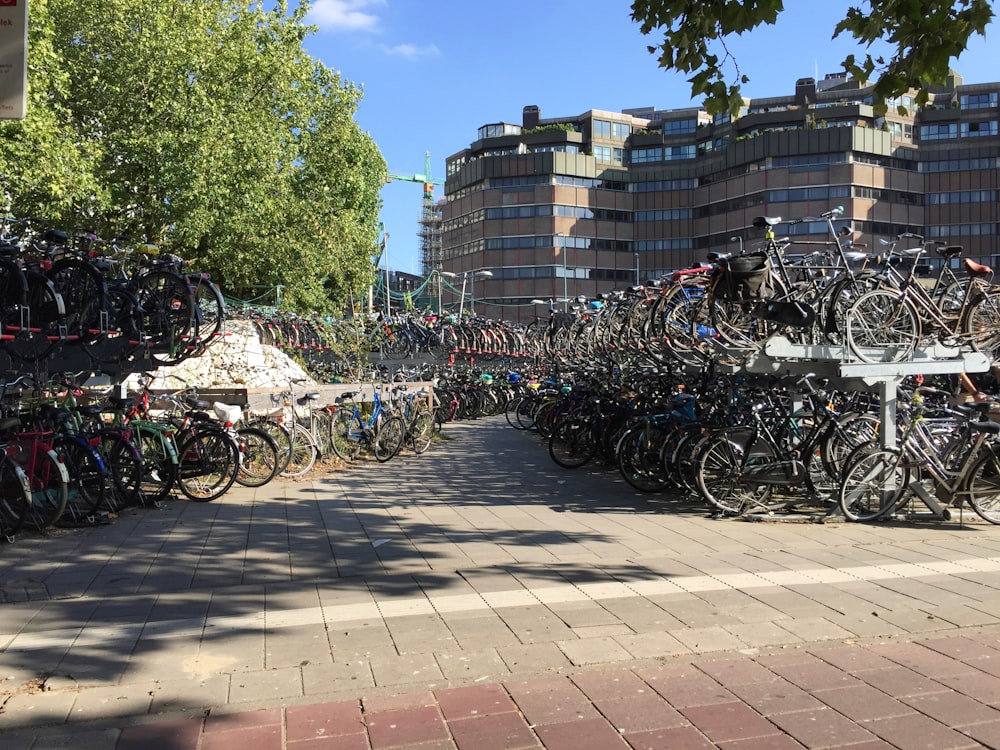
(204, 126)
(924, 37)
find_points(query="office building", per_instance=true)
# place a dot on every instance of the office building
(567, 206)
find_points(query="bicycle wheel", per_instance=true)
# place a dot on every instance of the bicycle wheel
(210, 309)
(48, 480)
(572, 443)
(850, 432)
(168, 310)
(982, 325)
(388, 438)
(82, 288)
(124, 336)
(303, 454)
(159, 463)
(86, 490)
(983, 485)
(124, 472)
(46, 312)
(882, 327)
(875, 480)
(422, 431)
(322, 430)
(208, 462)
(281, 435)
(259, 460)
(347, 436)
(638, 456)
(15, 496)
(719, 472)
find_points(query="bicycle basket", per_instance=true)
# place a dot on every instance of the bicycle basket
(746, 277)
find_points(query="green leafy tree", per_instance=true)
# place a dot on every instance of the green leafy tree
(203, 126)
(922, 39)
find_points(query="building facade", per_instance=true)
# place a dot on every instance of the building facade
(561, 207)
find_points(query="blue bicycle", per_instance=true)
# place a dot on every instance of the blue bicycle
(354, 429)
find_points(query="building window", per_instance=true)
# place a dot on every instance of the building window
(499, 129)
(978, 101)
(679, 127)
(645, 155)
(602, 128)
(940, 132)
(672, 153)
(620, 130)
(602, 153)
(962, 196)
(978, 129)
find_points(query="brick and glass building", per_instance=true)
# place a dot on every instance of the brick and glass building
(559, 207)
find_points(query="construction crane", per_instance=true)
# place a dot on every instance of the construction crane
(424, 178)
(430, 218)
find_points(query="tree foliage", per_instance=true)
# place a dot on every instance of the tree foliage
(204, 126)
(923, 37)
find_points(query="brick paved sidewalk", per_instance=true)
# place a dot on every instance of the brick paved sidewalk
(935, 693)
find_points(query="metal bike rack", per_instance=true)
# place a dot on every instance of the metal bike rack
(836, 363)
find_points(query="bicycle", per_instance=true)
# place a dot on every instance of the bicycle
(380, 431)
(886, 324)
(880, 482)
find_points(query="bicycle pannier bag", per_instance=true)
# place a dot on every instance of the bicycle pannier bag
(746, 277)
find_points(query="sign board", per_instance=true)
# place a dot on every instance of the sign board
(13, 59)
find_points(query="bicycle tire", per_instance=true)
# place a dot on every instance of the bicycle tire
(85, 494)
(82, 288)
(572, 443)
(259, 461)
(874, 482)
(638, 456)
(983, 485)
(208, 461)
(882, 327)
(46, 312)
(48, 481)
(15, 497)
(125, 469)
(169, 320)
(388, 438)
(719, 473)
(281, 435)
(303, 453)
(347, 438)
(159, 463)
(124, 336)
(322, 430)
(982, 325)
(422, 431)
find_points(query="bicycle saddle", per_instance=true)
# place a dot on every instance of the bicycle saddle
(311, 396)
(949, 251)
(976, 269)
(766, 221)
(346, 396)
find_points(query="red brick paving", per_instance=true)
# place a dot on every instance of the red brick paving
(847, 696)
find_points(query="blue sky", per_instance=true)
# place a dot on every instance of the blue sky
(434, 72)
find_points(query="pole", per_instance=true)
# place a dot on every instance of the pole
(472, 297)
(461, 303)
(637, 269)
(439, 293)
(565, 282)
(385, 252)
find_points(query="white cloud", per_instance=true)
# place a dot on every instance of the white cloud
(345, 15)
(410, 51)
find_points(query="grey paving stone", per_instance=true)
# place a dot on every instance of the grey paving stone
(269, 685)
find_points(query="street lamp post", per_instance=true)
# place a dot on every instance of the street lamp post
(637, 269)
(447, 275)
(739, 239)
(385, 252)
(483, 274)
